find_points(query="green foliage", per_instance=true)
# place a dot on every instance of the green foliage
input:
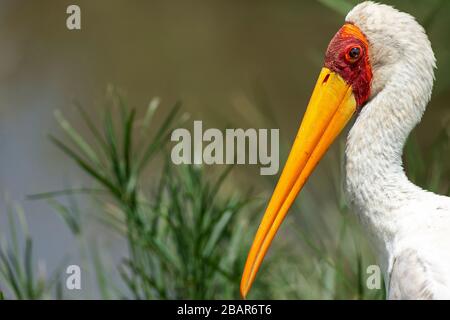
(184, 240)
(17, 266)
(187, 244)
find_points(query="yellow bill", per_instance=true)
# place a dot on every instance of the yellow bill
(331, 106)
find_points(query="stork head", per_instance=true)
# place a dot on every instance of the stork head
(376, 43)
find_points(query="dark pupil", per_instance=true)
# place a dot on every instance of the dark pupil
(354, 53)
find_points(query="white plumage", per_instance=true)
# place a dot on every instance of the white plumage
(409, 227)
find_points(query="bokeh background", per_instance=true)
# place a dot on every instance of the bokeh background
(249, 64)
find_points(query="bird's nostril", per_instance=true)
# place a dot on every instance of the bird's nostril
(325, 79)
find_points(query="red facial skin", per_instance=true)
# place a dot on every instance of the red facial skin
(356, 72)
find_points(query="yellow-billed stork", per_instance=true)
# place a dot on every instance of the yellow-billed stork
(379, 65)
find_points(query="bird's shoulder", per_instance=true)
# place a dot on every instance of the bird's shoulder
(415, 275)
(421, 261)
(408, 277)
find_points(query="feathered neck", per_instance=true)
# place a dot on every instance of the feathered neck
(376, 183)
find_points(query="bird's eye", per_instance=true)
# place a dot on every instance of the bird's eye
(353, 54)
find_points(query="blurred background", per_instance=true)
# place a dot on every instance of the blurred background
(245, 64)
